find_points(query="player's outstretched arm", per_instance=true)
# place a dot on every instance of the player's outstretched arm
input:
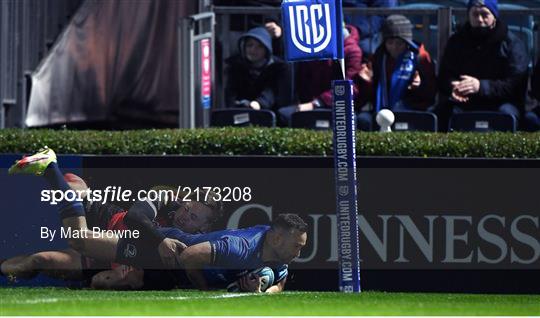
(193, 259)
(277, 288)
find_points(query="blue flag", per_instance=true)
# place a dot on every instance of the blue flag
(313, 29)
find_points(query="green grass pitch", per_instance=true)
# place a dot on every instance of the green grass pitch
(61, 301)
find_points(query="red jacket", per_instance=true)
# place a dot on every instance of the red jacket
(314, 78)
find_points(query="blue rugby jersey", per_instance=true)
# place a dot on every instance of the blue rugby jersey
(234, 252)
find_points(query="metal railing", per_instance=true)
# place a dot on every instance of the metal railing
(28, 29)
(434, 35)
(447, 18)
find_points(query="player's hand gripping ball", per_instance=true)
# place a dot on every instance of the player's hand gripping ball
(265, 273)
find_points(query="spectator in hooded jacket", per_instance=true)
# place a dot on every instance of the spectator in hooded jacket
(314, 78)
(400, 75)
(271, 22)
(484, 66)
(255, 77)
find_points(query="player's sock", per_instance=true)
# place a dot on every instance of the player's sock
(67, 208)
(55, 177)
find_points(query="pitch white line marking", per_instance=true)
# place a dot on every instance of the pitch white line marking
(35, 301)
(55, 300)
(228, 295)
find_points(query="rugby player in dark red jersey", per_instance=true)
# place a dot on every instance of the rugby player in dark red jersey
(190, 217)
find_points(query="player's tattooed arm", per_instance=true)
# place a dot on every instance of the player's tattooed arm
(194, 259)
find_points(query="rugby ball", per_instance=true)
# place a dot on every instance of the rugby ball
(265, 273)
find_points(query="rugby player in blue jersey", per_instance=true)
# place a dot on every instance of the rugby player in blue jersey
(208, 260)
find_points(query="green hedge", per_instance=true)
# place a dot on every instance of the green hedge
(264, 141)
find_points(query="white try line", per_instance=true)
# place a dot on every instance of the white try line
(227, 295)
(56, 299)
(32, 301)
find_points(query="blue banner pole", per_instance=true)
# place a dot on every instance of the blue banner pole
(344, 139)
(346, 186)
(314, 31)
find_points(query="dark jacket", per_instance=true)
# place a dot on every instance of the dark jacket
(314, 78)
(418, 98)
(535, 81)
(266, 84)
(499, 60)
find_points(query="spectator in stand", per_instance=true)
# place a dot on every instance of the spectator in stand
(369, 26)
(532, 118)
(314, 78)
(255, 77)
(484, 66)
(400, 75)
(272, 22)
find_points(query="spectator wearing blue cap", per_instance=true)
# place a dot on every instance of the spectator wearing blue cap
(255, 77)
(484, 66)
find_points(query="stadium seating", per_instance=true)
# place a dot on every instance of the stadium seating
(429, 37)
(442, 3)
(482, 122)
(320, 119)
(521, 25)
(242, 117)
(415, 121)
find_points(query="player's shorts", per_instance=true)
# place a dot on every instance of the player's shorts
(139, 253)
(145, 255)
(99, 215)
(105, 216)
